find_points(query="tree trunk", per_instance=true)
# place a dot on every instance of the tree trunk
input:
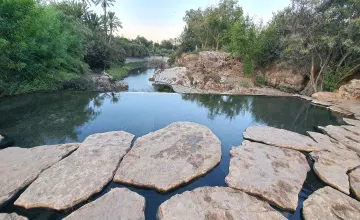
(312, 73)
(105, 18)
(217, 45)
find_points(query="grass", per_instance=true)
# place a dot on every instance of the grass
(120, 72)
(244, 84)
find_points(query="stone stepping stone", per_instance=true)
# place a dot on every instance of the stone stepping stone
(330, 204)
(281, 138)
(216, 203)
(170, 157)
(333, 146)
(12, 216)
(355, 182)
(354, 129)
(332, 169)
(347, 138)
(79, 176)
(119, 203)
(21, 166)
(275, 174)
(352, 122)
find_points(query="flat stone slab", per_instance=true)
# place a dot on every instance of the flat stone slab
(119, 203)
(352, 122)
(347, 138)
(216, 203)
(340, 110)
(332, 169)
(355, 182)
(79, 176)
(320, 102)
(330, 204)
(21, 166)
(12, 216)
(170, 157)
(275, 174)
(281, 138)
(355, 130)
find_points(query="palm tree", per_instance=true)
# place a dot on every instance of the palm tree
(105, 4)
(114, 23)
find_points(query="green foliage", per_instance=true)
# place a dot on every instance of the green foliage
(244, 84)
(259, 80)
(120, 72)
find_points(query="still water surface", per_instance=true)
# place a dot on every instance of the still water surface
(52, 118)
(138, 80)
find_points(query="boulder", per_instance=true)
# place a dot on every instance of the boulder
(169, 76)
(347, 138)
(12, 216)
(355, 182)
(333, 168)
(5, 141)
(286, 80)
(216, 203)
(79, 176)
(328, 203)
(21, 166)
(274, 174)
(106, 83)
(116, 204)
(352, 122)
(120, 86)
(281, 138)
(170, 157)
(350, 90)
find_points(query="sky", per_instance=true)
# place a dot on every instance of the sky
(163, 19)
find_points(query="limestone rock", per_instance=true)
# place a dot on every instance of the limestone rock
(106, 83)
(285, 80)
(169, 76)
(355, 130)
(12, 216)
(341, 110)
(350, 90)
(332, 169)
(281, 138)
(355, 182)
(169, 157)
(119, 203)
(347, 138)
(216, 203)
(320, 102)
(120, 86)
(79, 176)
(275, 174)
(352, 122)
(21, 166)
(326, 96)
(328, 203)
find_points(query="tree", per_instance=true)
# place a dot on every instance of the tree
(114, 23)
(105, 4)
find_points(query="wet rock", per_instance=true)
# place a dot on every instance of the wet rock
(170, 157)
(355, 182)
(216, 203)
(273, 173)
(328, 203)
(281, 138)
(116, 204)
(332, 169)
(12, 216)
(352, 122)
(79, 176)
(5, 141)
(347, 138)
(21, 166)
(106, 83)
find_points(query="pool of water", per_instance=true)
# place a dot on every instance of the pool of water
(52, 118)
(138, 80)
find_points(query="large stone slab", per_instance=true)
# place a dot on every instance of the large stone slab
(281, 138)
(11, 216)
(216, 203)
(352, 122)
(79, 176)
(116, 204)
(170, 157)
(275, 174)
(355, 130)
(321, 102)
(330, 204)
(355, 182)
(347, 138)
(332, 169)
(21, 166)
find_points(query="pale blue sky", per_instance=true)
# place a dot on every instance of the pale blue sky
(162, 19)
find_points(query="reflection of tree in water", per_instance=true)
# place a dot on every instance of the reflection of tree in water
(229, 106)
(38, 119)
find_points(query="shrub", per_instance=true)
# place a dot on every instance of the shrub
(260, 80)
(244, 84)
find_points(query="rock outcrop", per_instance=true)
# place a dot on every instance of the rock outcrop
(285, 80)
(106, 83)
(116, 204)
(273, 173)
(21, 166)
(355, 182)
(281, 138)
(12, 216)
(328, 203)
(79, 176)
(350, 90)
(170, 157)
(216, 203)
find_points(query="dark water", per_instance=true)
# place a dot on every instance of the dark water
(139, 80)
(38, 119)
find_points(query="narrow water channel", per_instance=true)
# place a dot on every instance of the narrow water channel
(138, 80)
